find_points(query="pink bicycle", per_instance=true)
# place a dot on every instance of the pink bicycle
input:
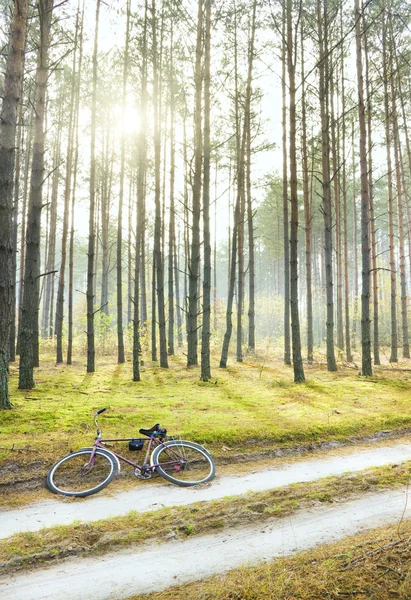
(89, 470)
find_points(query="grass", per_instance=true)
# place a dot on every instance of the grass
(37, 548)
(370, 566)
(243, 406)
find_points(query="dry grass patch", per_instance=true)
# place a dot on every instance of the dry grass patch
(371, 566)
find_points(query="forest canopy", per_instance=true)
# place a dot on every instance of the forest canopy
(200, 177)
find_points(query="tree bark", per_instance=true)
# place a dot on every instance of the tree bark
(159, 266)
(286, 240)
(140, 216)
(8, 123)
(27, 161)
(365, 242)
(295, 319)
(322, 17)
(194, 264)
(345, 211)
(232, 250)
(400, 192)
(16, 194)
(376, 335)
(92, 234)
(120, 334)
(30, 307)
(206, 328)
(355, 240)
(73, 201)
(307, 209)
(393, 278)
(251, 244)
(48, 302)
(171, 229)
(105, 222)
(337, 204)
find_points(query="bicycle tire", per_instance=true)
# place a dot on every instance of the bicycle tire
(179, 461)
(71, 471)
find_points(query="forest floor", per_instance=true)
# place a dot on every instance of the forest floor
(332, 452)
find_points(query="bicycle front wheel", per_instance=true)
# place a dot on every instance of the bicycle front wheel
(78, 475)
(183, 463)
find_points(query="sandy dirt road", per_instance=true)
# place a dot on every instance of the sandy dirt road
(119, 575)
(59, 511)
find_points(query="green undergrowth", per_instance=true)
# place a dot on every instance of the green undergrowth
(37, 548)
(250, 403)
(369, 566)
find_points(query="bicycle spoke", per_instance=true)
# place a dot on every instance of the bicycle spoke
(76, 474)
(184, 464)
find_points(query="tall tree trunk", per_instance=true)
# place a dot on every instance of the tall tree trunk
(376, 335)
(153, 311)
(335, 142)
(144, 265)
(29, 325)
(206, 329)
(176, 252)
(365, 242)
(230, 296)
(250, 216)
(307, 209)
(140, 216)
(295, 319)
(322, 16)
(120, 334)
(344, 194)
(240, 227)
(355, 240)
(393, 278)
(251, 244)
(215, 318)
(240, 249)
(408, 148)
(105, 224)
(130, 245)
(27, 161)
(400, 192)
(194, 266)
(48, 302)
(8, 121)
(73, 201)
(171, 228)
(92, 233)
(186, 219)
(287, 341)
(16, 195)
(232, 250)
(159, 266)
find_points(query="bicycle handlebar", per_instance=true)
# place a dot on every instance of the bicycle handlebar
(95, 420)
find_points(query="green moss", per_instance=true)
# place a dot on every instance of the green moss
(242, 404)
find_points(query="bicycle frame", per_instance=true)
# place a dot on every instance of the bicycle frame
(144, 468)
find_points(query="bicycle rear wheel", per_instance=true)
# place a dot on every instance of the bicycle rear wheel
(76, 475)
(183, 463)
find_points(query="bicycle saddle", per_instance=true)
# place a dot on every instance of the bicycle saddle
(150, 431)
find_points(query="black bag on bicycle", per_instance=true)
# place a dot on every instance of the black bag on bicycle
(135, 445)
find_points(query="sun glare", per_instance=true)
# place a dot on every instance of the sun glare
(126, 121)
